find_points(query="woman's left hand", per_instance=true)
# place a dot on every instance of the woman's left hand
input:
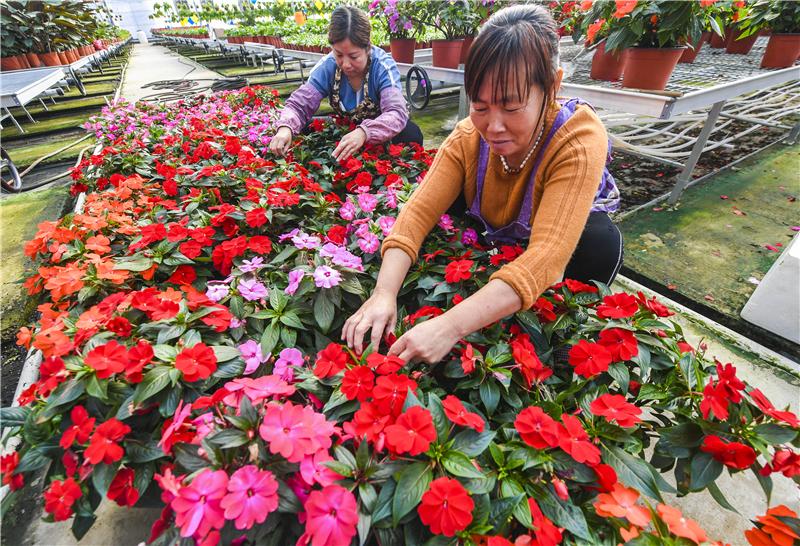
(429, 341)
(350, 144)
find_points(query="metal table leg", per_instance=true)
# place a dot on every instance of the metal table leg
(78, 81)
(14, 120)
(793, 134)
(463, 103)
(27, 113)
(685, 175)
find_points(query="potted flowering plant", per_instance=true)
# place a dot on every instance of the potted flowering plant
(738, 40)
(454, 19)
(654, 33)
(711, 26)
(783, 19)
(399, 19)
(595, 21)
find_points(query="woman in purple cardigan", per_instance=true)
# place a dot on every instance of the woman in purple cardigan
(361, 82)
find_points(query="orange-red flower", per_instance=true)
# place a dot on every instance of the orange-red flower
(458, 414)
(446, 507)
(624, 7)
(412, 433)
(681, 526)
(773, 532)
(621, 503)
(196, 363)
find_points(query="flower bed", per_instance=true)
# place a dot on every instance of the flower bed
(189, 333)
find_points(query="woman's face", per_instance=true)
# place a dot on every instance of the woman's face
(352, 60)
(508, 122)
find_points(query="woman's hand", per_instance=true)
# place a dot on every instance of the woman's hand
(378, 313)
(350, 144)
(281, 141)
(428, 342)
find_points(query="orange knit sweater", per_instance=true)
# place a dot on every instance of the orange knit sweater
(564, 189)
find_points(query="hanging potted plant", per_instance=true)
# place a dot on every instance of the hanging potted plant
(595, 24)
(398, 18)
(450, 18)
(783, 19)
(653, 31)
(739, 42)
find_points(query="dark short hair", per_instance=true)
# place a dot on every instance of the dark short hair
(519, 39)
(350, 22)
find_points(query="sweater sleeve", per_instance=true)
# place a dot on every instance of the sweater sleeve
(300, 107)
(431, 199)
(393, 118)
(569, 185)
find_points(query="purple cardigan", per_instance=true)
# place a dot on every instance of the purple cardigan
(305, 100)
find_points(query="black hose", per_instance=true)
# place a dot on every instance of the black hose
(183, 88)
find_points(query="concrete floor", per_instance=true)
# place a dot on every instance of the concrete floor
(150, 63)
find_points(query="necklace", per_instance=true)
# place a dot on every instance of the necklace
(508, 169)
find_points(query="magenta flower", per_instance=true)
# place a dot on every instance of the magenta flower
(252, 495)
(326, 277)
(287, 360)
(252, 355)
(257, 390)
(367, 202)
(369, 243)
(332, 516)
(347, 211)
(386, 223)
(288, 235)
(469, 237)
(197, 506)
(295, 431)
(446, 223)
(295, 276)
(314, 471)
(181, 413)
(251, 289)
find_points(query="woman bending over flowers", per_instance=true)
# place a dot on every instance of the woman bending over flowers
(528, 168)
(361, 82)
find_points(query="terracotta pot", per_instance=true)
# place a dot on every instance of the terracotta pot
(9, 63)
(782, 51)
(740, 47)
(465, 48)
(62, 56)
(690, 54)
(650, 67)
(403, 50)
(446, 53)
(717, 41)
(23, 61)
(607, 66)
(33, 60)
(50, 58)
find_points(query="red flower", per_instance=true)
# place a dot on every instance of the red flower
(122, 490)
(446, 507)
(390, 392)
(653, 306)
(589, 359)
(330, 361)
(572, 438)
(107, 359)
(766, 406)
(197, 362)
(545, 310)
(468, 359)
(103, 444)
(337, 234)
(726, 376)
(458, 270)
(80, 430)
(614, 407)
(784, 461)
(8, 463)
(620, 343)
(458, 414)
(384, 365)
(528, 361)
(139, 356)
(624, 7)
(617, 306)
(260, 244)
(536, 428)
(576, 287)
(731, 454)
(412, 433)
(368, 421)
(606, 476)
(363, 179)
(547, 534)
(422, 312)
(120, 326)
(59, 498)
(715, 400)
(357, 383)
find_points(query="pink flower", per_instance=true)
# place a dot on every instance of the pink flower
(314, 471)
(295, 431)
(181, 413)
(347, 211)
(367, 202)
(251, 289)
(326, 277)
(386, 223)
(303, 241)
(332, 517)
(197, 506)
(446, 223)
(369, 243)
(257, 390)
(295, 276)
(252, 355)
(287, 360)
(252, 495)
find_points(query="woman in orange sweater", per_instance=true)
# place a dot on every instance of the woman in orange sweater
(530, 169)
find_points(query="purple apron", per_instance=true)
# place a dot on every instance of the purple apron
(606, 199)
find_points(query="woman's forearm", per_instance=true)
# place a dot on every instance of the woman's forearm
(486, 306)
(393, 271)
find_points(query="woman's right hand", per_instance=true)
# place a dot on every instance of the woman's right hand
(378, 313)
(281, 141)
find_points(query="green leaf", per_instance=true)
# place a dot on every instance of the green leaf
(102, 476)
(269, 338)
(228, 438)
(165, 353)
(324, 311)
(473, 443)
(154, 382)
(292, 320)
(383, 506)
(490, 395)
(705, 469)
(288, 502)
(775, 434)
(458, 464)
(33, 459)
(138, 452)
(564, 514)
(363, 527)
(501, 510)
(440, 420)
(687, 435)
(13, 416)
(717, 495)
(632, 471)
(225, 352)
(81, 525)
(619, 372)
(412, 483)
(97, 388)
(133, 263)
(63, 394)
